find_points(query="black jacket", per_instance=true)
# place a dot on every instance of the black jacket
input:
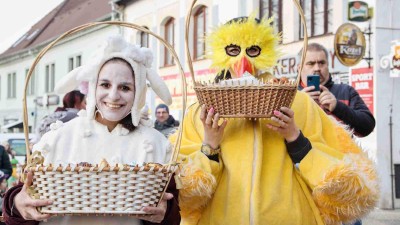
(5, 164)
(351, 109)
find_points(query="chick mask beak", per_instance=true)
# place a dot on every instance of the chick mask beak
(242, 66)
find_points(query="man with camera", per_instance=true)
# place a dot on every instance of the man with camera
(340, 100)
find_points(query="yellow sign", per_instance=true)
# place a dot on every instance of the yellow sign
(349, 44)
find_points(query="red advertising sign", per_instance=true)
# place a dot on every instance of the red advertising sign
(363, 81)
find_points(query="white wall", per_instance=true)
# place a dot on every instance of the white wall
(387, 92)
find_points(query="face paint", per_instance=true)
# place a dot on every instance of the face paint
(115, 92)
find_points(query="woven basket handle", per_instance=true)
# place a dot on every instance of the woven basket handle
(86, 26)
(189, 58)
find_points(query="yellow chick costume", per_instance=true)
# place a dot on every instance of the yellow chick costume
(255, 181)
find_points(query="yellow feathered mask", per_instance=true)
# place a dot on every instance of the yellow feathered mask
(243, 44)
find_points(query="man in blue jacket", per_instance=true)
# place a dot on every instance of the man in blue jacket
(339, 100)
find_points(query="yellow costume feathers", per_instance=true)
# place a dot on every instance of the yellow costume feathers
(244, 33)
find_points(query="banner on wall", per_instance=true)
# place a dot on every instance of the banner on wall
(362, 80)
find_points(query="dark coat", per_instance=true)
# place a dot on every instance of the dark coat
(351, 109)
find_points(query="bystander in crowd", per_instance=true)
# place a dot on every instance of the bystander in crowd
(165, 123)
(73, 102)
(340, 100)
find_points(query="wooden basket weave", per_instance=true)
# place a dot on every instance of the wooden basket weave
(245, 101)
(100, 190)
(249, 101)
(87, 190)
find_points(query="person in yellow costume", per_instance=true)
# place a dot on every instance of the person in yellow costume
(302, 169)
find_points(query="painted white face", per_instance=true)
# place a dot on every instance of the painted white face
(115, 92)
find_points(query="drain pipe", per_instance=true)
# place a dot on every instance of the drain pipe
(391, 152)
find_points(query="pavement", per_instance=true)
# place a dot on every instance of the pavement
(382, 217)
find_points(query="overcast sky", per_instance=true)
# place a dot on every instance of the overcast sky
(18, 16)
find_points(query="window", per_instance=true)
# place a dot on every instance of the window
(11, 85)
(31, 84)
(50, 78)
(200, 18)
(169, 37)
(144, 38)
(273, 8)
(318, 15)
(78, 61)
(72, 65)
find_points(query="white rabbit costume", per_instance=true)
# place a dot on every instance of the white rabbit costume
(83, 139)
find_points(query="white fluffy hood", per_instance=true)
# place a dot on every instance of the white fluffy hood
(139, 58)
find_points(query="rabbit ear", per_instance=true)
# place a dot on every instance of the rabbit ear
(69, 82)
(159, 86)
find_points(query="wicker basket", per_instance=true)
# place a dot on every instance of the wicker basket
(258, 101)
(100, 190)
(87, 190)
(245, 101)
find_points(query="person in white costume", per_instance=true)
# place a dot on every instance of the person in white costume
(112, 127)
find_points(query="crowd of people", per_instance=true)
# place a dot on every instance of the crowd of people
(299, 167)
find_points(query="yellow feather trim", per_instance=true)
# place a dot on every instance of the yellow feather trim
(198, 187)
(348, 191)
(244, 33)
(344, 135)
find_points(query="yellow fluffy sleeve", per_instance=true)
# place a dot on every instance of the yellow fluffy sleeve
(342, 178)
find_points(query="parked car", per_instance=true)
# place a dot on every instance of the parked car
(17, 143)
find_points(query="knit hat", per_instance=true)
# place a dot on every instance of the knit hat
(139, 58)
(162, 106)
